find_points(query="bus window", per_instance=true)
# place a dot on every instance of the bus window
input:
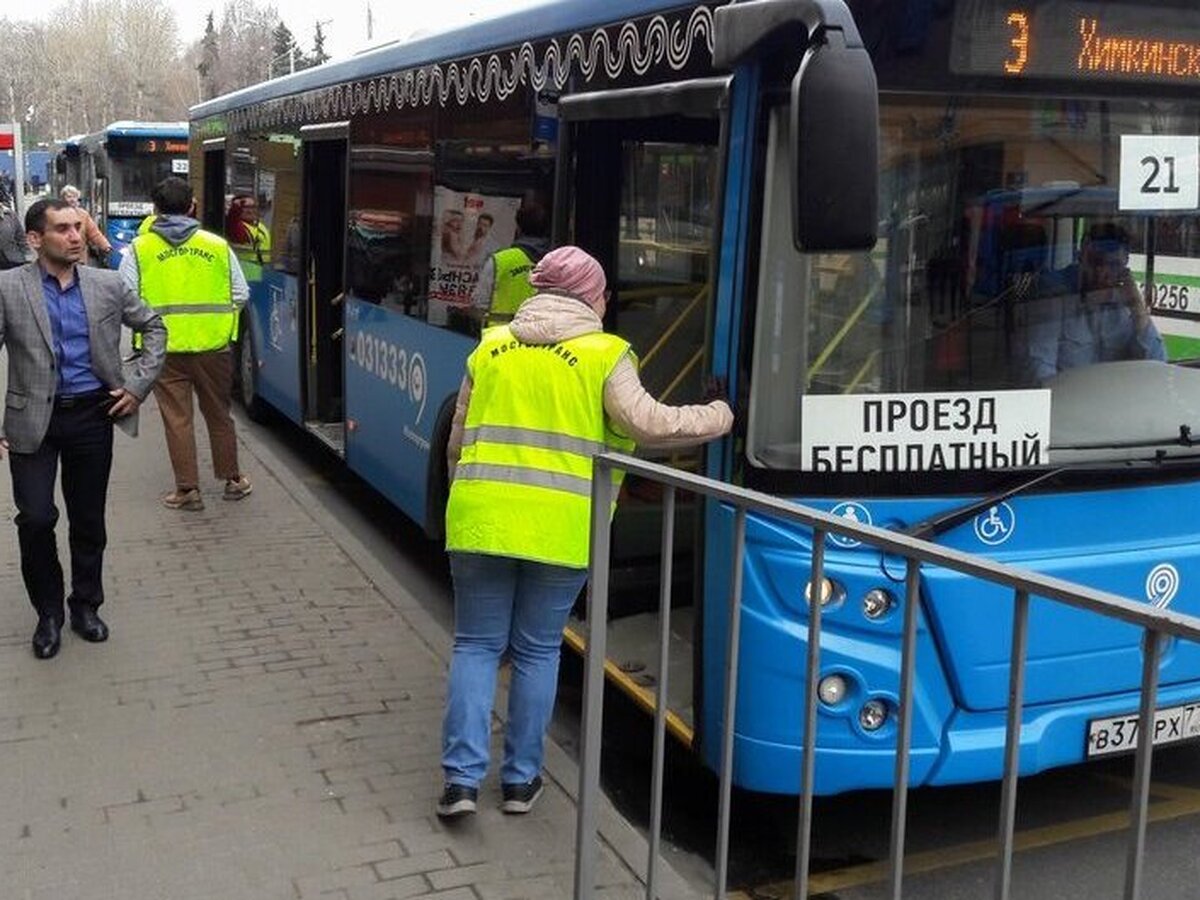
(388, 228)
(664, 264)
(487, 168)
(1003, 263)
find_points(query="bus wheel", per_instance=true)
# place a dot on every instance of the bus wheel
(247, 377)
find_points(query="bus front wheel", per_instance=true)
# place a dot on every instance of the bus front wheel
(247, 376)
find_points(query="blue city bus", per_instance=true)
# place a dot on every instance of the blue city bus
(115, 170)
(974, 367)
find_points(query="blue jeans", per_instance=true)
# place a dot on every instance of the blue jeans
(504, 604)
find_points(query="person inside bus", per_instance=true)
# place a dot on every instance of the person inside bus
(93, 237)
(503, 283)
(251, 239)
(541, 396)
(1091, 311)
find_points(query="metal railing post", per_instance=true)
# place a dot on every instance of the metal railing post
(1158, 625)
(593, 685)
(912, 601)
(809, 749)
(731, 680)
(660, 707)
(1152, 650)
(1012, 742)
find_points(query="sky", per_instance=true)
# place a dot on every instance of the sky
(345, 21)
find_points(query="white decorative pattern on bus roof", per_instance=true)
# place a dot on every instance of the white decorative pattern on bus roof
(631, 48)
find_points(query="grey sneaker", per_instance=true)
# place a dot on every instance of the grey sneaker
(519, 798)
(237, 488)
(457, 800)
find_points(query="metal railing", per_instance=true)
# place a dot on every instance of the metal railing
(1157, 624)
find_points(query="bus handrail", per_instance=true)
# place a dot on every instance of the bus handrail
(1156, 623)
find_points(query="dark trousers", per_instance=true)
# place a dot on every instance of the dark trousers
(81, 436)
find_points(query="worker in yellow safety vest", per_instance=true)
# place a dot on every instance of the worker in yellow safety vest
(542, 395)
(250, 238)
(503, 283)
(191, 277)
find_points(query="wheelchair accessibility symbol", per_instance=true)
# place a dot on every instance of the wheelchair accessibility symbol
(996, 525)
(855, 512)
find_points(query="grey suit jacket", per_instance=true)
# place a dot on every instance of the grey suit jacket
(32, 367)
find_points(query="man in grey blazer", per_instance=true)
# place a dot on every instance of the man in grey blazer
(61, 323)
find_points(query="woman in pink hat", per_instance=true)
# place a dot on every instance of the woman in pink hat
(542, 395)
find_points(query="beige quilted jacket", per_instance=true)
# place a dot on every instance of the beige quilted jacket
(548, 319)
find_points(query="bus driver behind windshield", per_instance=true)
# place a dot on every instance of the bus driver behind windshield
(1092, 311)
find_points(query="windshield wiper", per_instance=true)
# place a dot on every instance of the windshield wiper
(944, 521)
(1183, 439)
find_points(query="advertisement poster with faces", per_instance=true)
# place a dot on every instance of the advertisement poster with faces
(467, 229)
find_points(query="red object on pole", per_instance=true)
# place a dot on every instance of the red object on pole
(6, 139)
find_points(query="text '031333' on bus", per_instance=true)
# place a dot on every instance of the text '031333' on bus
(881, 226)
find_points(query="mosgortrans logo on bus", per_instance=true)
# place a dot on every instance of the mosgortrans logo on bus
(926, 432)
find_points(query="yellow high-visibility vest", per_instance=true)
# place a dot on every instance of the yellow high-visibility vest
(523, 486)
(511, 287)
(191, 287)
(256, 255)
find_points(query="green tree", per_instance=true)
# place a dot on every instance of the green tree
(284, 53)
(318, 54)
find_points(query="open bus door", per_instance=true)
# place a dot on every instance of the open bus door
(324, 241)
(212, 196)
(639, 182)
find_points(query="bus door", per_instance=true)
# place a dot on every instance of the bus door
(324, 233)
(639, 187)
(94, 167)
(212, 197)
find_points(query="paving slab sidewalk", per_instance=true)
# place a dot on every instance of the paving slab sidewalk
(263, 723)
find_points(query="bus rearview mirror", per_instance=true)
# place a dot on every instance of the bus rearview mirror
(835, 149)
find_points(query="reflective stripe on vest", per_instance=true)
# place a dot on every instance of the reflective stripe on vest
(522, 487)
(191, 287)
(511, 287)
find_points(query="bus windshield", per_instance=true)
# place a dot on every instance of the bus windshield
(133, 175)
(1007, 261)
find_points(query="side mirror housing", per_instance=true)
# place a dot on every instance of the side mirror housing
(835, 148)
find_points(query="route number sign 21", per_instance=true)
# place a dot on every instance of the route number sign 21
(1159, 172)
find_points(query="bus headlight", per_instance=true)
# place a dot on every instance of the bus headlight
(877, 603)
(872, 715)
(831, 592)
(832, 689)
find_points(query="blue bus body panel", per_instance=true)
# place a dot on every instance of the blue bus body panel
(770, 701)
(1097, 538)
(273, 309)
(1080, 666)
(399, 375)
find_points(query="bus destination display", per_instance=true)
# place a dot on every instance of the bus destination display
(1076, 40)
(160, 145)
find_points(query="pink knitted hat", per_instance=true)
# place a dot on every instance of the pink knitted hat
(569, 270)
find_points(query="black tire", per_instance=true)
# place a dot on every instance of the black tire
(246, 376)
(439, 476)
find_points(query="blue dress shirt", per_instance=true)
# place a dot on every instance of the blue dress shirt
(69, 329)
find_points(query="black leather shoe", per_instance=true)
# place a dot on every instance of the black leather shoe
(47, 638)
(88, 625)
